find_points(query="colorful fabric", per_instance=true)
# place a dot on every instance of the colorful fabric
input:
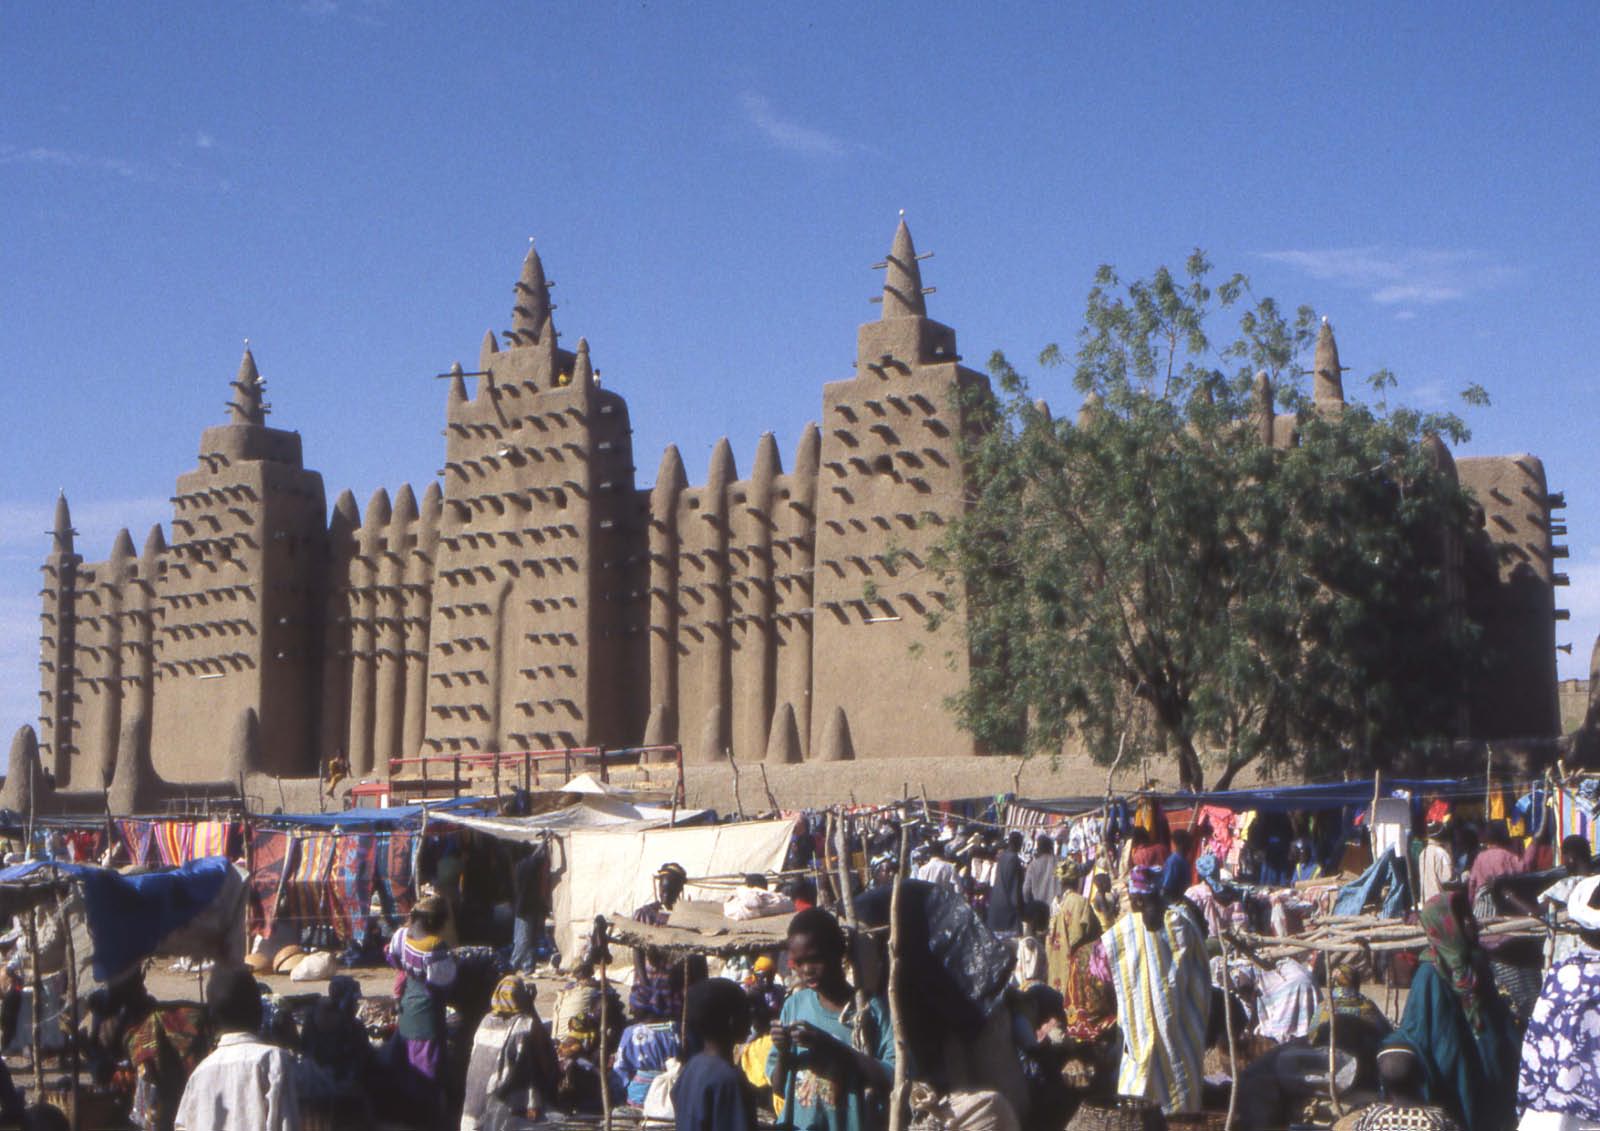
(1561, 1051)
(350, 884)
(1089, 1003)
(208, 838)
(136, 839)
(306, 896)
(395, 866)
(642, 1055)
(1163, 989)
(1402, 1117)
(269, 864)
(510, 997)
(1451, 953)
(174, 842)
(1288, 1002)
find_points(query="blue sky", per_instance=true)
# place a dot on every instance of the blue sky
(351, 185)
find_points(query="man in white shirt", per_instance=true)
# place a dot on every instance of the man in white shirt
(939, 869)
(246, 1082)
(1435, 867)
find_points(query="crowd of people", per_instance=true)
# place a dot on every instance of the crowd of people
(1128, 970)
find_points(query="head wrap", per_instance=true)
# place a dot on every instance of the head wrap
(510, 997)
(765, 965)
(1209, 870)
(1451, 953)
(345, 992)
(1143, 880)
(1578, 909)
(1070, 870)
(671, 871)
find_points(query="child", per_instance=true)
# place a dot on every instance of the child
(711, 1094)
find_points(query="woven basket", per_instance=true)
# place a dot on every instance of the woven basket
(1122, 1113)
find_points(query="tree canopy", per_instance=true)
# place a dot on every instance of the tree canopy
(1252, 570)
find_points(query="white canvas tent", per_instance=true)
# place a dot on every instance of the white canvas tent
(605, 871)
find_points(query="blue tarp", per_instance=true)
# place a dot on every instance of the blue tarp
(1386, 877)
(130, 915)
(360, 820)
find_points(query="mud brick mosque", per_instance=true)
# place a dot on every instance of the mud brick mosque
(536, 596)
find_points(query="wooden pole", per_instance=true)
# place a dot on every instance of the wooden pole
(772, 800)
(738, 805)
(1227, 1020)
(73, 1009)
(32, 924)
(1333, 1037)
(842, 861)
(902, 1051)
(600, 1052)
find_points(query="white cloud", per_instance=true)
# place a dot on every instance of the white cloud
(49, 157)
(1401, 276)
(19, 663)
(203, 140)
(786, 133)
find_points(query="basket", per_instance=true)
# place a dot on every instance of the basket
(1121, 1113)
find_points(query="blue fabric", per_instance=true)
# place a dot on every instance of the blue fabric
(1385, 875)
(356, 820)
(1471, 1075)
(130, 915)
(1174, 877)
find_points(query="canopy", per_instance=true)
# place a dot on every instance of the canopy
(612, 870)
(371, 820)
(578, 810)
(197, 910)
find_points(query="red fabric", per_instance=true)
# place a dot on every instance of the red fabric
(1150, 856)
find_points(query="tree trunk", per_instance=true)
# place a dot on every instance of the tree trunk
(1234, 766)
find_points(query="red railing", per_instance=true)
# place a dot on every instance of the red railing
(532, 769)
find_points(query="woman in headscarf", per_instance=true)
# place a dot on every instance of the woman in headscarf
(334, 1046)
(1087, 997)
(512, 1070)
(1347, 973)
(425, 973)
(1456, 1022)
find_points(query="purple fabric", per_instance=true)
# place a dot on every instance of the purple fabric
(426, 1057)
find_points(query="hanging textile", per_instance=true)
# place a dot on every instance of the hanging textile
(305, 894)
(210, 838)
(174, 842)
(393, 871)
(350, 889)
(136, 838)
(269, 852)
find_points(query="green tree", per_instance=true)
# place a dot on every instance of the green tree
(1253, 572)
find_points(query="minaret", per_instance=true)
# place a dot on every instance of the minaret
(342, 604)
(389, 635)
(363, 647)
(792, 575)
(662, 727)
(902, 283)
(58, 630)
(1265, 412)
(891, 470)
(1327, 387)
(116, 579)
(419, 579)
(240, 595)
(530, 316)
(751, 605)
(712, 726)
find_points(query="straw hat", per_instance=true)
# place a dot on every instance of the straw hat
(259, 962)
(287, 958)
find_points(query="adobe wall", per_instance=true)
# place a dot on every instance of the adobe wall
(535, 596)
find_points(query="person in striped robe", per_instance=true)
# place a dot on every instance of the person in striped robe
(1163, 985)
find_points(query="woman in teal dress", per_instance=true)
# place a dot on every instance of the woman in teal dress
(829, 1084)
(1458, 1025)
